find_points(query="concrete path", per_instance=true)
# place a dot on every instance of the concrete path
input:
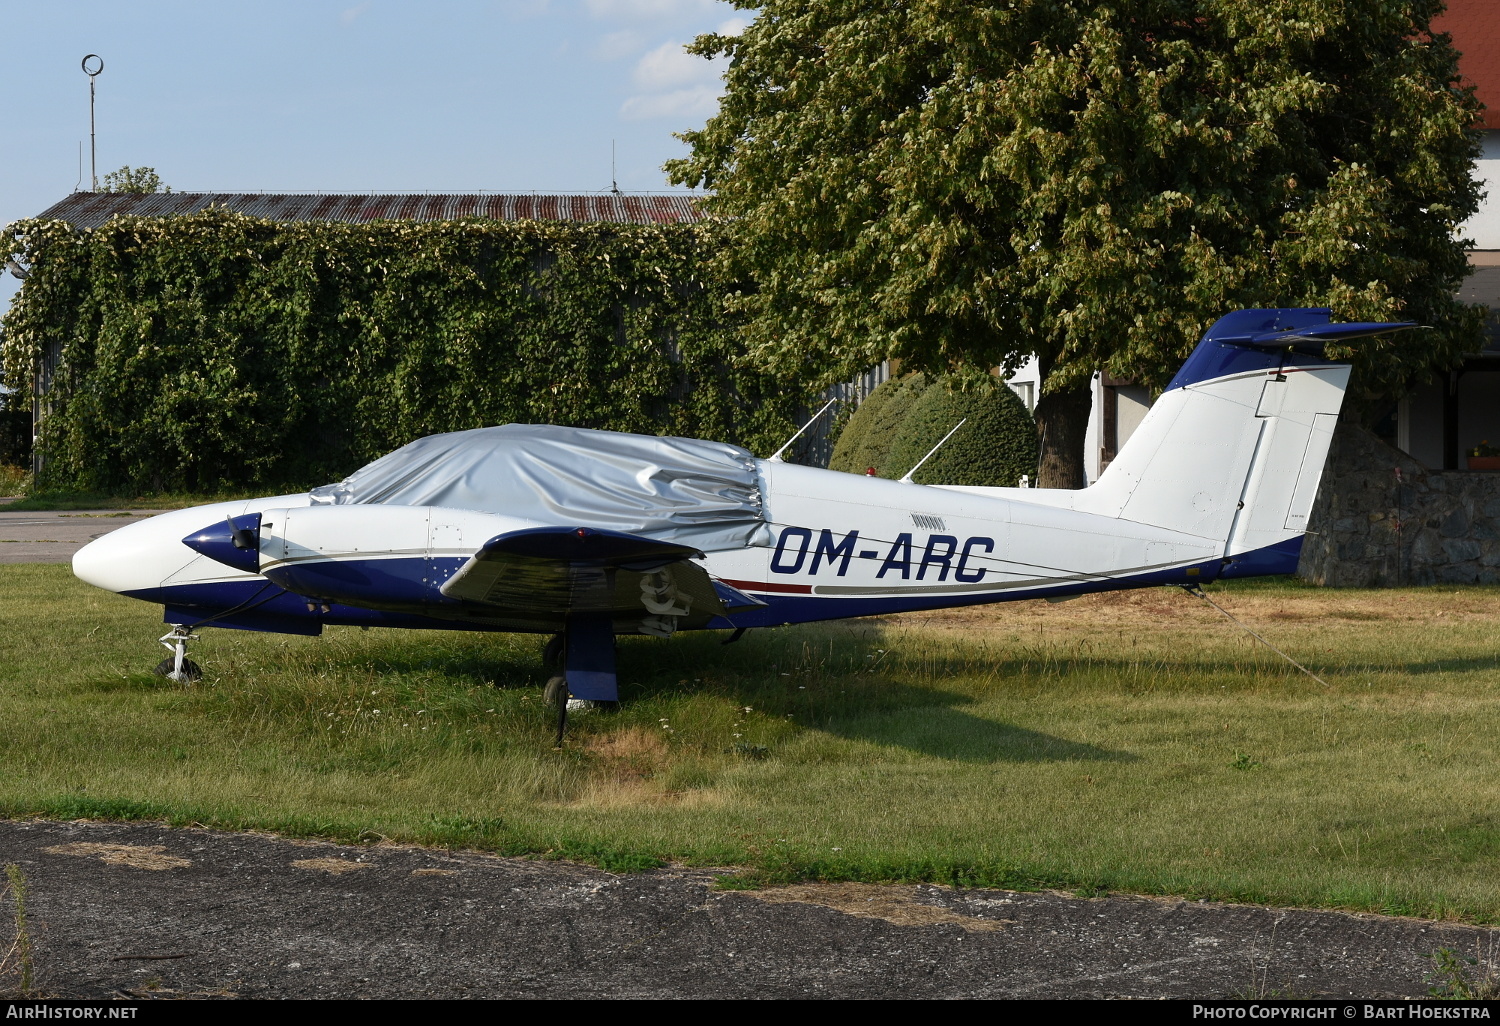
(141, 910)
(54, 537)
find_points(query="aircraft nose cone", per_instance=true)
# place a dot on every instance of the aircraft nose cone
(114, 562)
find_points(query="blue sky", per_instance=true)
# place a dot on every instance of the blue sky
(353, 95)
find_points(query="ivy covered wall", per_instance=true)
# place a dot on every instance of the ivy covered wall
(215, 350)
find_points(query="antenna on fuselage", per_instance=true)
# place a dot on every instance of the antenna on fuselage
(935, 448)
(776, 457)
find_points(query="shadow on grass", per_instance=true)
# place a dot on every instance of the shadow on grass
(1450, 665)
(945, 732)
(506, 662)
(821, 679)
(854, 704)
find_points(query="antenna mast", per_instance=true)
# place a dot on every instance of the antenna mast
(776, 456)
(614, 185)
(935, 448)
(93, 158)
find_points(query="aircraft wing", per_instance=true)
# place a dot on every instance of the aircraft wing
(568, 570)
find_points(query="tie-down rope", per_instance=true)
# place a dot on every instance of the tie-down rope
(1197, 589)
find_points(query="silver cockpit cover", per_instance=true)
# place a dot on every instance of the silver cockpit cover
(685, 490)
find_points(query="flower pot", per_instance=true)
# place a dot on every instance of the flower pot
(1484, 462)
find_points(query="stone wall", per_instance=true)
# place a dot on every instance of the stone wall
(1382, 519)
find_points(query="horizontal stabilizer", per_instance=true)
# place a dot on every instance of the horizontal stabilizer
(1315, 333)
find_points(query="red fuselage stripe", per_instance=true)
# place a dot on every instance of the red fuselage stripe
(763, 587)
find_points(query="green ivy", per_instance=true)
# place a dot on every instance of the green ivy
(215, 350)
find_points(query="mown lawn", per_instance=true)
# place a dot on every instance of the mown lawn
(1134, 742)
(12, 481)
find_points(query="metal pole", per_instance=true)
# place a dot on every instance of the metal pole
(93, 157)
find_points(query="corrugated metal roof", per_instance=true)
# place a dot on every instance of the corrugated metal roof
(1475, 28)
(91, 209)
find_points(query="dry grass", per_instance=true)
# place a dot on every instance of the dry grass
(334, 867)
(12, 480)
(634, 766)
(1153, 609)
(136, 856)
(895, 904)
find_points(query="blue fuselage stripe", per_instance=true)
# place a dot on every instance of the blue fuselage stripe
(408, 596)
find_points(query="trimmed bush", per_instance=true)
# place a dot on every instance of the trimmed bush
(856, 429)
(884, 423)
(996, 445)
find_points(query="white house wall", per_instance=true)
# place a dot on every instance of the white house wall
(1484, 227)
(1026, 382)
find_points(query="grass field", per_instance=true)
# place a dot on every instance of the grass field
(12, 483)
(1131, 742)
(12, 480)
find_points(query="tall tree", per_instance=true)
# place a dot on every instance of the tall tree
(134, 179)
(967, 182)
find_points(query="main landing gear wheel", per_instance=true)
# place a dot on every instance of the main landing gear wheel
(556, 694)
(552, 654)
(191, 671)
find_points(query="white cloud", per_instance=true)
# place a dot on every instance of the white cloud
(669, 65)
(351, 14)
(697, 102)
(647, 10)
(669, 82)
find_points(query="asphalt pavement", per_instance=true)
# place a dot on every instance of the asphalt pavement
(54, 537)
(143, 910)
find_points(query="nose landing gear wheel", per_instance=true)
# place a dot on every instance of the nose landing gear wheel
(178, 666)
(191, 671)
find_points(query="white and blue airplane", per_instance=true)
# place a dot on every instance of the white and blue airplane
(586, 534)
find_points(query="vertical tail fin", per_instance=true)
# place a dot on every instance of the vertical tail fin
(1234, 449)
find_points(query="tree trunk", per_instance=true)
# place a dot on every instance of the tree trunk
(1062, 420)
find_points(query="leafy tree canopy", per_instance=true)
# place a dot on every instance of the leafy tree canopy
(954, 183)
(134, 179)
